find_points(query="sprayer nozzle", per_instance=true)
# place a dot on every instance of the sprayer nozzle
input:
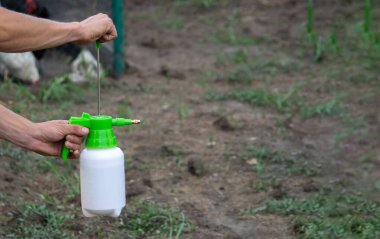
(136, 121)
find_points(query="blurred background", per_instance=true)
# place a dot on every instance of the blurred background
(261, 120)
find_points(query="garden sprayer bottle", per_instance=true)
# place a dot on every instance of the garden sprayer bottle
(102, 179)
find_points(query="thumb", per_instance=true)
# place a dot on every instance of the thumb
(75, 130)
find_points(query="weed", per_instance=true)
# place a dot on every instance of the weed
(256, 97)
(38, 221)
(18, 91)
(328, 108)
(232, 34)
(310, 20)
(173, 153)
(183, 110)
(237, 57)
(367, 17)
(319, 49)
(59, 90)
(125, 109)
(328, 216)
(151, 219)
(241, 74)
(274, 161)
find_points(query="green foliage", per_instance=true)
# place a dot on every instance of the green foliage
(329, 216)
(241, 74)
(60, 90)
(277, 163)
(151, 219)
(286, 102)
(18, 91)
(38, 221)
(328, 108)
(256, 97)
(310, 19)
(367, 17)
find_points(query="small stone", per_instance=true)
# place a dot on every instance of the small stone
(195, 166)
(252, 161)
(223, 123)
(310, 186)
(171, 73)
(135, 189)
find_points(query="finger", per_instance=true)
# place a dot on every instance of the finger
(72, 146)
(74, 155)
(61, 121)
(75, 130)
(111, 33)
(74, 139)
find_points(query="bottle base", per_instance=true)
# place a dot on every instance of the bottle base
(110, 212)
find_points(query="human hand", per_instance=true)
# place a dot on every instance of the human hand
(49, 136)
(98, 27)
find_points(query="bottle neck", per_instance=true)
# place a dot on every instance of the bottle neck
(101, 139)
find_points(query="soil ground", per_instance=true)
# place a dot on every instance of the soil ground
(199, 153)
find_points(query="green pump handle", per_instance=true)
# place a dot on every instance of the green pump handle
(82, 121)
(88, 121)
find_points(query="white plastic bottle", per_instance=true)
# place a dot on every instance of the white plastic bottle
(102, 177)
(102, 182)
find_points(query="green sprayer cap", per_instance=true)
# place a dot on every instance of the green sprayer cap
(101, 135)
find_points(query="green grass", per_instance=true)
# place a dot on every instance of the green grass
(232, 33)
(155, 220)
(310, 18)
(241, 74)
(237, 67)
(256, 97)
(323, 109)
(328, 216)
(240, 56)
(284, 102)
(277, 163)
(367, 17)
(140, 219)
(174, 154)
(58, 91)
(38, 221)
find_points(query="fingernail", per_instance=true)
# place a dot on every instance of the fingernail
(85, 130)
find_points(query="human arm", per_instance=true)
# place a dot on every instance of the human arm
(20, 32)
(45, 138)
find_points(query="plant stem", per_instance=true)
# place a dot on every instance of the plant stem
(367, 16)
(310, 17)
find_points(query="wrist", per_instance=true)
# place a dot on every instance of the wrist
(32, 132)
(75, 31)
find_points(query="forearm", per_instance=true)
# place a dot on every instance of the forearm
(16, 129)
(20, 32)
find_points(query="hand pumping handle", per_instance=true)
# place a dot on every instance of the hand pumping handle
(82, 121)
